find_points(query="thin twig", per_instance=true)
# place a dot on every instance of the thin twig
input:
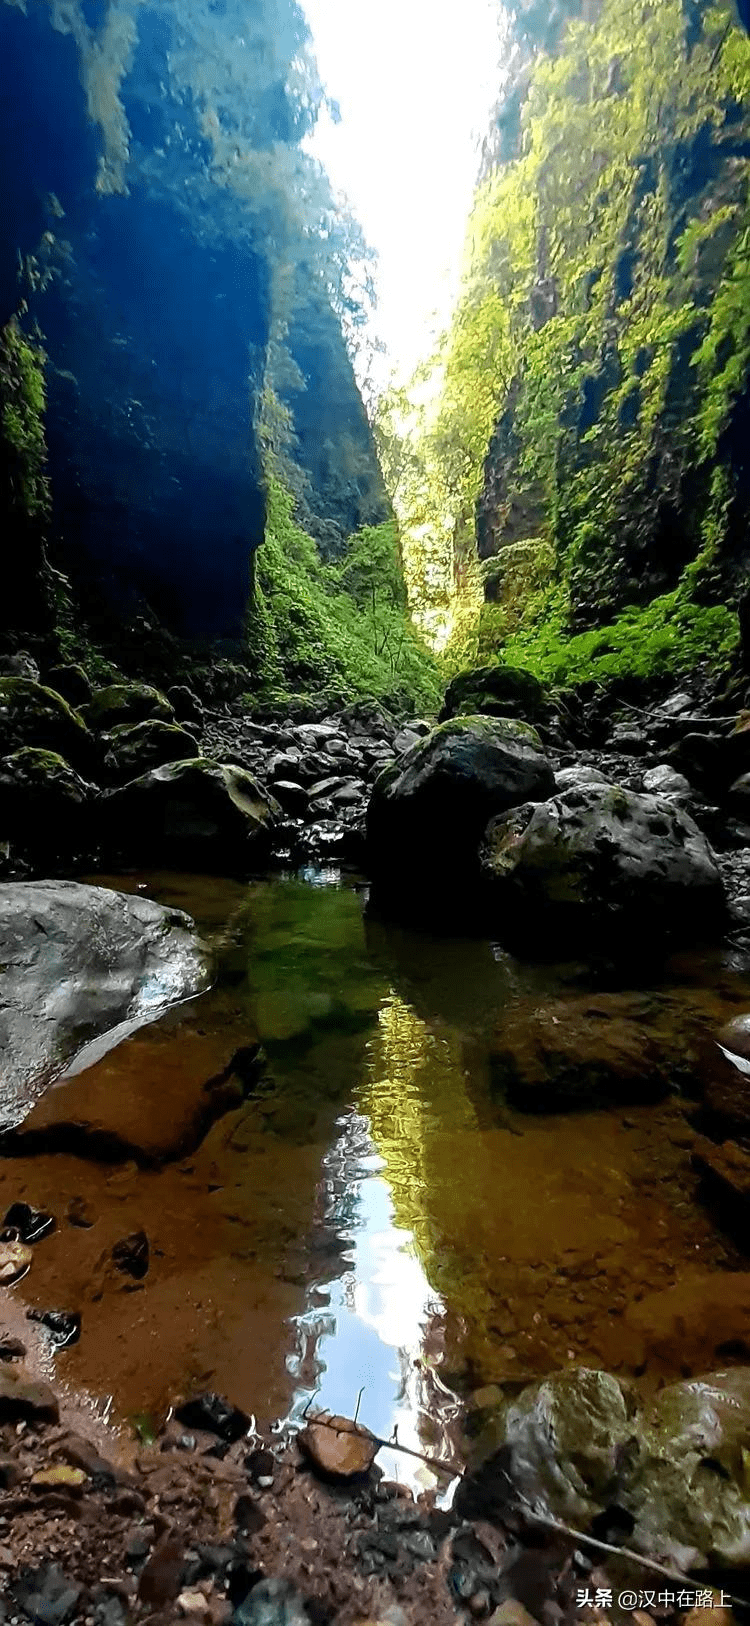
(544, 1521)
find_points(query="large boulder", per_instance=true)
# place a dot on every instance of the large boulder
(31, 714)
(79, 961)
(495, 691)
(128, 703)
(605, 860)
(428, 810)
(44, 804)
(195, 813)
(578, 1443)
(134, 748)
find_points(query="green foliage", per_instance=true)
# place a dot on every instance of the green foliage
(668, 638)
(600, 344)
(23, 449)
(333, 632)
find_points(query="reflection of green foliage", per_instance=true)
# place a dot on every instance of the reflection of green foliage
(606, 312)
(333, 631)
(23, 451)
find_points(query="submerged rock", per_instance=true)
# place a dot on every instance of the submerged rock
(192, 812)
(33, 715)
(214, 1414)
(15, 1257)
(272, 1603)
(80, 961)
(31, 1223)
(495, 691)
(428, 811)
(605, 860)
(22, 1399)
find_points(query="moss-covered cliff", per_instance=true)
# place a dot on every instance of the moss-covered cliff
(591, 440)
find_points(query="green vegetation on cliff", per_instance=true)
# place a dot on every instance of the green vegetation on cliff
(333, 632)
(592, 398)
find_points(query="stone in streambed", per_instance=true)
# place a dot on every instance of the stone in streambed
(195, 812)
(495, 691)
(31, 1223)
(429, 810)
(81, 961)
(23, 1399)
(127, 703)
(46, 1596)
(134, 748)
(131, 1255)
(15, 1258)
(605, 861)
(63, 1326)
(214, 1414)
(337, 1447)
(271, 1603)
(45, 805)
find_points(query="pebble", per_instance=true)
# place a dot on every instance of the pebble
(338, 1447)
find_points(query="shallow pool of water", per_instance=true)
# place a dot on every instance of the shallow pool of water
(368, 1223)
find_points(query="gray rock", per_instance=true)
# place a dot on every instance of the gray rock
(496, 691)
(578, 776)
(739, 795)
(24, 1399)
(20, 665)
(128, 703)
(428, 811)
(31, 714)
(81, 961)
(292, 797)
(665, 781)
(632, 742)
(272, 1603)
(326, 787)
(196, 812)
(404, 740)
(186, 705)
(44, 803)
(602, 859)
(134, 748)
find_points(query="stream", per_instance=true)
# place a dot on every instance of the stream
(373, 1226)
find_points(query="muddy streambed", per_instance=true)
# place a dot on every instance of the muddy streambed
(368, 1214)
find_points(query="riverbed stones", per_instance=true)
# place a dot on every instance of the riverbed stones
(33, 715)
(15, 1258)
(495, 691)
(79, 961)
(672, 1329)
(428, 811)
(196, 812)
(214, 1414)
(604, 860)
(23, 1399)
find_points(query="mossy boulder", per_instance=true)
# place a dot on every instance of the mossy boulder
(45, 806)
(31, 714)
(600, 860)
(72, 682)
(494, 691)
(429, 810)
(134, 748)
(127, 703)
(196, 813)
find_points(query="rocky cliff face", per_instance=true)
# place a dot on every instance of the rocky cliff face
(608, 296)
(150, 193)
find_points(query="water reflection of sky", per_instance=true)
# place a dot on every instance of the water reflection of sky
(372, 1333)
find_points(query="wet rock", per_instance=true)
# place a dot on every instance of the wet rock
(404, 741)
(605, 860)
(186, 705)
(63, 1326)
(725, 1184)
(11, 1349)
(33, 715)
(32, 1224)
(214, 1414)
(161, 1577)
(80, 1213)
(47, 1596)
(15, 1258)
(595, 1050)
(24, 1400)
(560, 1441)
(71, 682)
(131, 1255)
(81, 960)
(427, 813)
(495, 691)
(665, 781)
(338, 1448)
(127, 703)
(45, 806)
(134, 748)
(194, 812)
(272, 1603)
(292, 797)
(576, 777)
(21, 664)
